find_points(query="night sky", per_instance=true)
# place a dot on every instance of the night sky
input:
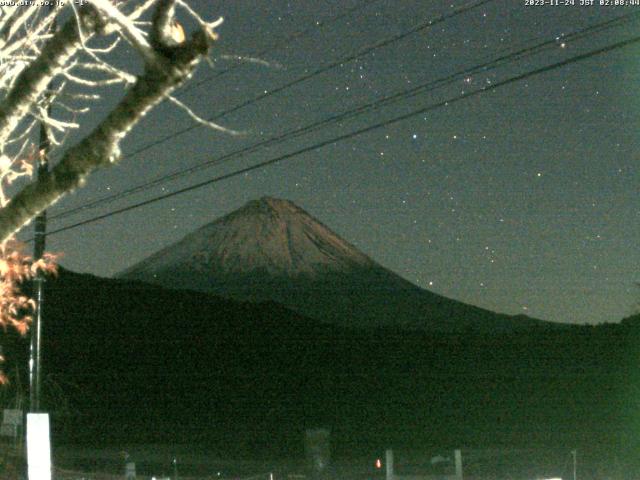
(522, 199)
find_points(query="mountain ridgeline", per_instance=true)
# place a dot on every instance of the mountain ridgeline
(127, 361)
(272, 250)
(264, 323)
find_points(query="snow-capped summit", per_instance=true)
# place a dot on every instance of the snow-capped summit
(272, 250)
(269, 235)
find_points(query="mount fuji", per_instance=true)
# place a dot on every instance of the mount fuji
(272, 250)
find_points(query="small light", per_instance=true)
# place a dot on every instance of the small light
(378, 463)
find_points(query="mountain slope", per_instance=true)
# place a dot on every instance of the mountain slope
(269, 236)
(272, 250)
(138, 362)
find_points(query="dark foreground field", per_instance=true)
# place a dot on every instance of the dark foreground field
(134, 364)
(74, 463)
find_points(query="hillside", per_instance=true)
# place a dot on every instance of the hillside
(143, 363)
(273, 250)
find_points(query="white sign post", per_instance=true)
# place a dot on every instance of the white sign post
(38, 446)
(388, 460)
(458, 457)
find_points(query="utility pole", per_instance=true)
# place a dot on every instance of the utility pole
(35, 364)
(40, 233)
(574, 454)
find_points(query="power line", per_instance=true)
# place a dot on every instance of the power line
(285, 41)
(400, 118)
(319, 24)
(365, 51)
(402, 95)
(349, 58)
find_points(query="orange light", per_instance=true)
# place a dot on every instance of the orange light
(378, 463)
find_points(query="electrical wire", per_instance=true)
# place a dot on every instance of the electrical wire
(402, 95)
(349, 58)
(340, 138)
(283, 42)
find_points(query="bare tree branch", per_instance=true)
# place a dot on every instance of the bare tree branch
(35, 78)
(197, 118)
(36, 66)
(128, 29)
(171, 66)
